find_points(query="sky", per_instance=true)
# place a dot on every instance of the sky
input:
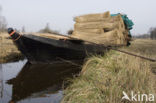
(35, 14)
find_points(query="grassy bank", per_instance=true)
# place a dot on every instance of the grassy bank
(8, 51)
(104, 78)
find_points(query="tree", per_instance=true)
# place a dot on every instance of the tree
(48, 30)
(23, 29)
(3, 24)
(152, 32)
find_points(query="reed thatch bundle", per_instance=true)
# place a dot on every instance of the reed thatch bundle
(92, 17)
(101, 28)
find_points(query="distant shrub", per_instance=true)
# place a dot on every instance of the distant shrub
(48, 30)
(70, 32)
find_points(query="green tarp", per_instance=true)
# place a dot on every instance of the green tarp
(129, 23)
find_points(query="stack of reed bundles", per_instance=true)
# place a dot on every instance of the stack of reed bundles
(101, 28)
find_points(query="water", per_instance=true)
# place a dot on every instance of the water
(22, 82)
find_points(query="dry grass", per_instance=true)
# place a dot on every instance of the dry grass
(145, 47)
(8, 51)
(103, 78)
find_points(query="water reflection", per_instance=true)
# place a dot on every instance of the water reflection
(1, 81)
(39, 83)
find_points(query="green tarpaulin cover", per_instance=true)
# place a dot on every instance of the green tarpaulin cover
(129, 23)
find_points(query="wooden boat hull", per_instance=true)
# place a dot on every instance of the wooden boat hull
(47, 50)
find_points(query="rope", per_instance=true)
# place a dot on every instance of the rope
(122, 51)
(142, 57)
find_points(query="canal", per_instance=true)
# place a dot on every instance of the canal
(22, 82)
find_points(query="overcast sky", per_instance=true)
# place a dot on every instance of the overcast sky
(34, 14)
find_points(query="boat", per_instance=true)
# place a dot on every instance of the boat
(50, 48)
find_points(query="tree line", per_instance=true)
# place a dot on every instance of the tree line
(151, 34)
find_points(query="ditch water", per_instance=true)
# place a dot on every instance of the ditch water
(22, 82)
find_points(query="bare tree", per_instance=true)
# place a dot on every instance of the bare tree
(48, 30)
(23, 29)
(3, 24)
(152, 32)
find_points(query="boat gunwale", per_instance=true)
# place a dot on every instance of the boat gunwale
(63, 43)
